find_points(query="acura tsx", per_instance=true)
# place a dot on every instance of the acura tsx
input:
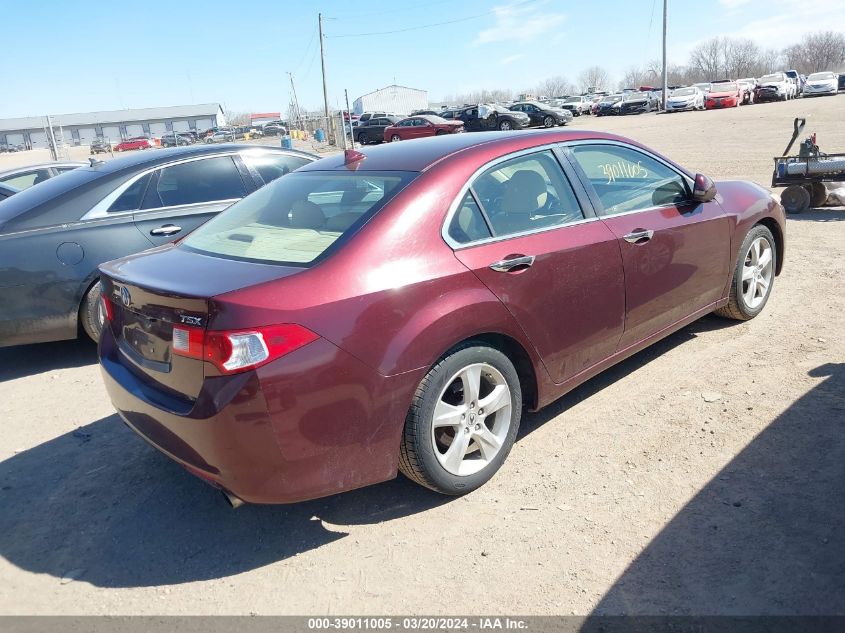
(395, 309)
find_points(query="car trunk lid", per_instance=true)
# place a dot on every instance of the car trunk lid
(151, 296)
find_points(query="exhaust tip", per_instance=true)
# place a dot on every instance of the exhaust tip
(233, 501)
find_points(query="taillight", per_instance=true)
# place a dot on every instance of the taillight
(233, 351)
(108, 308)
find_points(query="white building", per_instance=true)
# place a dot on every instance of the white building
(395, 99)
(114, 125)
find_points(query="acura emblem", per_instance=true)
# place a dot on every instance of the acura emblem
(124, 296)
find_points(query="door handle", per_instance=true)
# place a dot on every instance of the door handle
(639, 236)
(506, 265)
(167, 229)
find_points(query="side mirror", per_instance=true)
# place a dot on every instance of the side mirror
(704, 189)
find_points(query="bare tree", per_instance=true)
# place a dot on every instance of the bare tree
(707, 58)
(594, 77)
(236, 118)
(555, 87)
(824, 50)
(741, 57)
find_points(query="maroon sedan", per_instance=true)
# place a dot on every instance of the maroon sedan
(420, 126)
(397, 309)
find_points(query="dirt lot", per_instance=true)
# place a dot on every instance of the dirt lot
(702, 476)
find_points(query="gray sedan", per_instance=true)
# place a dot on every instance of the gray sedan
(53, 237)
(25, 177)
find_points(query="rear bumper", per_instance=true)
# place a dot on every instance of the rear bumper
(313, 423)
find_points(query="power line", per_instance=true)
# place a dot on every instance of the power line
(306, 51)
(429, 26)
(423, 5)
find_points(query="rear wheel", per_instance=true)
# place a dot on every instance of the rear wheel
(463, 420)
(795, 199)
(818, 194)
(753, 277)
(395, 138)
(91, 314)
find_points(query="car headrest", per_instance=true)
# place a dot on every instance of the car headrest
(524, 192)
(304, 214)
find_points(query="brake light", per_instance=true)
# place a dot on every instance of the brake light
(108, 308)
(233, 351)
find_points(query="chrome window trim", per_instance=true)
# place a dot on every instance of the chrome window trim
(101, 209)
(601, 212)
(453, 207)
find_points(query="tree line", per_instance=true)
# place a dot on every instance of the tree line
(716, 58)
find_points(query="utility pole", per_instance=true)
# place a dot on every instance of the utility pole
(296, 113)
(349, 115)
(665, 67)
(329, 122)
(54, 152)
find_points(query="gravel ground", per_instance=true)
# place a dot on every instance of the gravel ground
(701, 476)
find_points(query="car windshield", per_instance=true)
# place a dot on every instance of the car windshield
(723, 88)
(497, 108)
(573, 100)
(821, 77)
(295, 219)
(634, 96)
(33, 197)
(684, 92)
(772, 78)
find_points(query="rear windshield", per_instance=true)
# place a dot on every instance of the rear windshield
(12, 210)
(296, 219)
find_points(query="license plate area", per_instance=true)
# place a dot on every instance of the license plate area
(147, 340)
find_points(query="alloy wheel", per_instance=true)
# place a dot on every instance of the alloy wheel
(471, 419)
(395, 138)
(757, 271)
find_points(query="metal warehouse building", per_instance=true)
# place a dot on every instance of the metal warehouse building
(396, 99)
(81, 129)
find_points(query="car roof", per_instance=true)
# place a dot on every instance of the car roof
(421, 154)
(22, 168)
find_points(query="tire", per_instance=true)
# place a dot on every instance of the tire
(548, 122)
(362, 139)
(818, 194)
(795, 199)
(440, 132)
(90, 313)
(424, 456)
(395, 138)
(739, 307)
(505, 126)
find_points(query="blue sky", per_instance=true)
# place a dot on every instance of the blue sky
(60, 56)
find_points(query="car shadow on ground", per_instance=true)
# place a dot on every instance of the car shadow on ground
(28, 360)
(101, 504)
(765, 536)
(532, 421)
(826, 214)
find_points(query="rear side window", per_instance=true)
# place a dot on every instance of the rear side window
(468, 223)
(527, 193)
(196, 181)
(295, 219)
(272, 166)
(130, 199)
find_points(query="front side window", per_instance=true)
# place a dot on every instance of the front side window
(527, 193)
(205, 180)
(627, 180)
(294, 220)
(272, 166)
